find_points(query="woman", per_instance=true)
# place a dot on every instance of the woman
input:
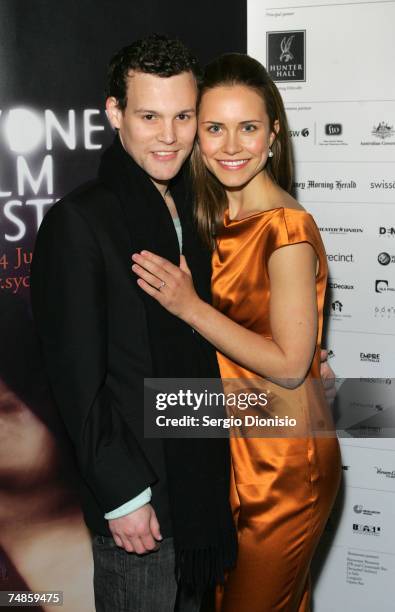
(44, 543)
(268, 284)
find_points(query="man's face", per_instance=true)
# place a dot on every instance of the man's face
(158, 126)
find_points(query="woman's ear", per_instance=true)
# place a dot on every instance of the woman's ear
(275, 131)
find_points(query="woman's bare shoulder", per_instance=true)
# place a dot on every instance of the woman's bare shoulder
(291, 203)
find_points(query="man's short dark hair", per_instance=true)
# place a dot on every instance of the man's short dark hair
(156, 54)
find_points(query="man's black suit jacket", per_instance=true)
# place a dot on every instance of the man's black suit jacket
(91, 318)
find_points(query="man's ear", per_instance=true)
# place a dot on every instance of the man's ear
(114, 113)
(276, 129)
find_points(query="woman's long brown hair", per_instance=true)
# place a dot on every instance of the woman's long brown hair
(210, 196)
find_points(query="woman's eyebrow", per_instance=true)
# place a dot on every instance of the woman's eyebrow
(240, 123)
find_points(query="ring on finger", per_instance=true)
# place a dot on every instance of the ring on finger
(162, 285)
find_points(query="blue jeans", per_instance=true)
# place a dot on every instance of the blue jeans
(127, 582)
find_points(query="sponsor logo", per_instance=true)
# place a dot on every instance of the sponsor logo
(341, 257)
(387, 231)
(369, 530)
(331, 354)
(383, 130)
(344, 286)
(385, 473)
(382, 286)
(286, 55)
(382, 184)
(382, 133)
(384, 312)
(359, 509)
(371, 405)
(345, 468)
(371, 357)
(333, 129)
(332, 135)
(296, 133)
(338, 185)
(385, 258)
(377, 381)
(336, 311)
(366, 431)
(342, 230)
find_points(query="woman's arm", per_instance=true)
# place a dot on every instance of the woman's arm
(293, 312)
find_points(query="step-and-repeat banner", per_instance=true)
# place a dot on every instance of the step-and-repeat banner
(333, 64)
(53, 128)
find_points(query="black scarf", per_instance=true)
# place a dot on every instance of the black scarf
(197, 469)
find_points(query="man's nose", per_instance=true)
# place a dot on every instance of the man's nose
(167, 134)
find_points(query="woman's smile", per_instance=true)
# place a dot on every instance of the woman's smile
(233, 164)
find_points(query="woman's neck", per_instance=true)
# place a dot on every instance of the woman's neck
(259, 194)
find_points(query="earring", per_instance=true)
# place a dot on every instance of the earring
(270, 154)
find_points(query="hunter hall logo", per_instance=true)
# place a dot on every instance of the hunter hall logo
(286, 53)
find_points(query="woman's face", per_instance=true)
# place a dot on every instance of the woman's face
(28, 452)
(234, 134)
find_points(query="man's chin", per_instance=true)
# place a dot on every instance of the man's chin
(164, 174)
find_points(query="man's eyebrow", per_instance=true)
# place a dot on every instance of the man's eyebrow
(146, 110)
(155, 112)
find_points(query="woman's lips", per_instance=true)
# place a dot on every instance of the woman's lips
(233, 164)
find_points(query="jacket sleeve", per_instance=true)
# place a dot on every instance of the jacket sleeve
(68, 291)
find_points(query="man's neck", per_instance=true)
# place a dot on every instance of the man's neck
(162, 187)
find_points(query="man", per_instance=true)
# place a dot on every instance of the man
(102, 336)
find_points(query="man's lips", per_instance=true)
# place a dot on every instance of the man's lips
(164, 155)
(232, 164)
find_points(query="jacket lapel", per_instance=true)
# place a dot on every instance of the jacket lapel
(197, 255)
(147, 217)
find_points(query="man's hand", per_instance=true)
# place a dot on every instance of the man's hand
(328, 378)
(138, 531)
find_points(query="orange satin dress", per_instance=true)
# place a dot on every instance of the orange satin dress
(282, 488)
